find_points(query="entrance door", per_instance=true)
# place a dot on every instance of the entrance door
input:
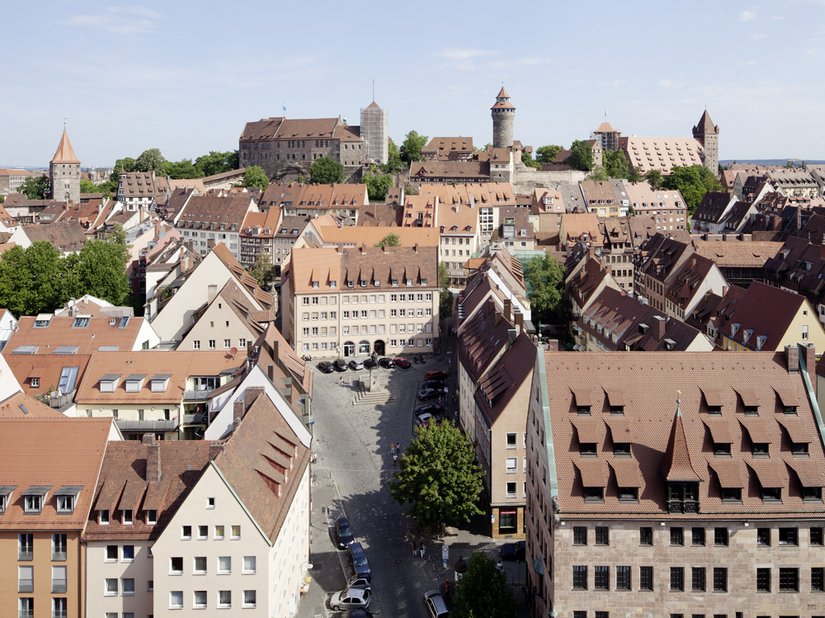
(379, 347)
(349, 348)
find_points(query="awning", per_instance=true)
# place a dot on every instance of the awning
(627, 471)
(615, 397)
(582, 397)
(810, 473)
(761, 430)
(719, 429)
(729, 472)
(68, 490)
(589, 429)
(749, 398)
(771, 473)
(796, 430)
(713, 398)
(787, 395)
(619, 427)
(594, 472)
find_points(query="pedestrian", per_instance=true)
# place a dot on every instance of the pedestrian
(341, 380)
(421, 549)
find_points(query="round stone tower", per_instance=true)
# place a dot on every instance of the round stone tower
(504, 113)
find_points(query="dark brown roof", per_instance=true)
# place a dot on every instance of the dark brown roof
(705, 124)
(499, 385)
(66, 236)
(677, 465)
(462, 170)
(482, 338)
(225, 213)
(712, 207)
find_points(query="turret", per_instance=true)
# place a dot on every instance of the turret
(504, 114)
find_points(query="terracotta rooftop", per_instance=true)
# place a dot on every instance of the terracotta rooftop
(497, 388)
(605, 127)
(41, 374)
(65, 236)
(241, 275)
(661, 153)
(65, 153)
(751, 254)
(483, 337)
(462, 170)
(215, 212)
(444, 146)
(50, 334)
(350, 235)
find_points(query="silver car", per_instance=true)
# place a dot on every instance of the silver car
(436, 606)
(351, 598)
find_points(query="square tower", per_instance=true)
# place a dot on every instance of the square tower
(64, 172)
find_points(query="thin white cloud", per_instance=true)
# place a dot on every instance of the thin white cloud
(463, 54)
(747, 15)
(758, 36)
(122, 20)
(670, 84)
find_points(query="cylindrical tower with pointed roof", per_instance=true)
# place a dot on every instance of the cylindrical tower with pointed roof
(64, 172)
(504, 114)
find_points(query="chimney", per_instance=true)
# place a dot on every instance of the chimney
(792, 357)
(519, 317)
(238, 410)
(270, 372)
(498, 316)
(148, 438)
(213, 292)
(659, 327)
(512, 333)
(215, 450)
(491, 305)
(508, 309)
(552, 345)
(153, 461)
(809, 352)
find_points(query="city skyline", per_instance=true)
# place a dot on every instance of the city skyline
(186, 81)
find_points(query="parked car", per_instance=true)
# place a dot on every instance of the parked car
(343, 532)
(430, 408)
(424, 419)
(436, 374)
(340, 364)
(358, 613)
(513, 551)
(426, 394)
(431, 384)
(325, 367)
(370, 363)
(402, 362)
(358, 559)
(436, 606)
(356, 365)
(359, 582)
(386, 363)
(351, 598)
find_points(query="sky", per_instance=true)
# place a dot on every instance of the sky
(185, 76)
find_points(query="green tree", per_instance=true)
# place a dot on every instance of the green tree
(150, 160)
(182, 169)
(87, 186)
(528, 161)
(439, 476)
(632, 173)
(547, 154)
(412, 146)
(654, 179)
(390, 240)
(126, 164)
(255, 177)
(217, 162)
(615, 164)
(31, 279)
(394, 163)
(483, 591)
(692, 181)
(545, 285)
(377, 185)
(443, 276)
(445, 303)
(262, 270)
(35, 187)
(100, 270)
(598, 174)
(581, 156)
(326, 171)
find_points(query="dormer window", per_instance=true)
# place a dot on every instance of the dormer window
(316, 284)
(126, 517)
(350, 284)
(151, 517)
(124, 320)
(159, 383)
(423, 282)
(800, 449)
(731, 494)
(771, 494)
(751, 410)
(587, 449)
(812, 494)
(65, 504)
(394, 283)
(363, 283)
(103, 517)
(376, 283)
(790, 409)
(621, 449)
(721, 449)
(628, 494)
(80, 322)
(134, 383)
(108, 382)
(716, 410)
(33, 499)
(760, 449)
(409, 282)
(594, 494)
(42, 321)
(333, 284)
(5, 497)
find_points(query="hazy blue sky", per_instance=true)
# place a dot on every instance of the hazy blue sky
(185, 76)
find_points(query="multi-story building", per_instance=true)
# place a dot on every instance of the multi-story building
(257, 236)
(448, 149)
(701, 498)
(602, 199)
(207, 220)
(137, 190)
(666, 205)
(347, 302)
(12, 179)
(458, 225)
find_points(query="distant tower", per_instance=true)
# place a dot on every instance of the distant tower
(607, 135)
(504, 113)
(64, 172)
(374, 131)
(707, 134)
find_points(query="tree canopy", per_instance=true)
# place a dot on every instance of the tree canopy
(581, 156)
(326, 171)
(483, 590)
(217, 162)
(655, 179)
(35, 187)
(692, 181)
(378, 185)
(394, 163)
(255, 177)
(150, 160)
(545, 288)
(528, 161)
(390, 240)
(439, 476)
(616, 164)
(262, 270)
(412, 146)
(548, 153)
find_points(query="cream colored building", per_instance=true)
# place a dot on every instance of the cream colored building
(349, 302)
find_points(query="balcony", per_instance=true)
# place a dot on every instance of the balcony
(158, 425)
(199, 418)
(58, 585)
(25, 585)
(25, 553)
(196, 395)
(25, 613)
(58, 555)
(58, 613)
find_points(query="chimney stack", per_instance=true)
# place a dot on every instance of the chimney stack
(152, 461)
(792, 357)
(809, 351)
(553, 345)
(519, 317)
(215, 450)
(238, 410)
(659, 326)
(508, 310)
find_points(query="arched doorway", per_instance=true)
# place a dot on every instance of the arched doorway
(379, 347)
(349, 348)
(363, 347)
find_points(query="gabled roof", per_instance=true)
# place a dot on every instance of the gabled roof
(497, 388)
(65, 153)
(46, 333)
(66, 236)
(705, 124)
(677, 465)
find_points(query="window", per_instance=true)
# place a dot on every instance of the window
(111, 587)
(210, 503)
(150, 585)
(677, 535)
(720, 579)
(621, 449)
(219, 532)
(579, 614)
(512, 439)
(593, 494)
(697, 579)
(763, 580)
(176, 565)
(579, 577)
(203, 532)
(818, 579)
(579, 535)
(128, 585)
(602, 535)
(211, 344)
(82, 322)
(224, 599)
(65, 504)
(249, 598)
(731, 494)
(199, 599)
(645, 535)
(721, 449)
(111, 552)
(816, 536)
(151, 517)
(25, 579)
(196, 344)
(760, 449)
(697, 536)
(623, 579)
(511, 464)
(126, 517)
(32, 504)
(512, 488)
(235, 532)
(602, 614)
(788, 579)
(199, 566)
(763, 537)
(249, 565)
(677, 579)
(601, 577)
(27, 607)
(788, 536)
(646, 578)
(60, 607)
(720, 536)
(224, 564)
(128, 553)
(587, 448)
(186, 532)
(176, 599)
(58, 547)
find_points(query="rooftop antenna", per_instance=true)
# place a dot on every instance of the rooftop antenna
(283, 106)
(66, 119)
(373, 90)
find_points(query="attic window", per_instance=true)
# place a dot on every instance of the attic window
(587, 449)
(34, 382)
(751, 410)
(363, 283)
(316, 284)
(409, 282)
(109, 382)
(621, 449)
(34, 497)
(124, 320)
(594, 494)
(66, 497)
(760, 449)
(80, 322)
(377, 283)
(134, 383)
(159, 383)
(394, 282)
(350, 284)
(5, 497)
(423, 282)
(628, 494)
(42, 321)
(333, 284)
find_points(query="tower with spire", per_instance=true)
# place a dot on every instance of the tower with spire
(504, 115)
(64, 172)
(374, 132)
(707, 134)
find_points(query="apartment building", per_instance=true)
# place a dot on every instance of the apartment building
(348, 302)
(675, 484)
(666, 205)
(207, 220)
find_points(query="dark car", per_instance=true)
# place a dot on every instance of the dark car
(430, 408)
(431, 384)
(358, 613)
(386, 363)
(370, 363)
(359, 562)
(359, 582)
(343, 533)
(426, 394)
(513, 551)
(340, 364)
(436, 374)
(402, 362)
(325, 367)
